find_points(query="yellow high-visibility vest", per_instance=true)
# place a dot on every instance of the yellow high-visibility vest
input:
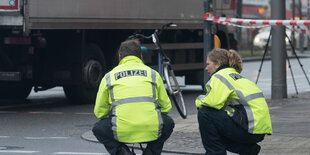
(240, 98)
(133, 96)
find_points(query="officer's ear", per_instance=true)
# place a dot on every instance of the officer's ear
(141, 57)
(217, 66)
(119, 57)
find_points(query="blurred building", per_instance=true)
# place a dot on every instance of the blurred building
(253, 9)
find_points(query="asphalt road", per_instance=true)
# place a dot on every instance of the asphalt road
(48, 124)
(251, 70)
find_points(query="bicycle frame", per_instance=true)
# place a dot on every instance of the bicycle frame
(159, 52)
(165, 70)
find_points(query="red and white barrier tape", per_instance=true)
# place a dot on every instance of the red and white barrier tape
(233, 21)
(210, 17)
(304, 31)
(298, 30)
(242, 26)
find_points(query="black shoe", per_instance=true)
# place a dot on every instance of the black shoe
(252, 150)
(147, 151)
(124, 150)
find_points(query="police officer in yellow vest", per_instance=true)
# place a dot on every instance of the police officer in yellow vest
(132, 105)
(233, 115)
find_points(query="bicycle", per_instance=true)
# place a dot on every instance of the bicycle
(165, 70)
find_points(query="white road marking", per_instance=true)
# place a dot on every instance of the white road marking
(80, 153)
(30, 112)
(277, 107)
(18, 151)
(42, 138)
(4, 136)
(84, 113)
(44, 112)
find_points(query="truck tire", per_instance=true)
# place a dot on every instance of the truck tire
(92, 72)
(14, 90)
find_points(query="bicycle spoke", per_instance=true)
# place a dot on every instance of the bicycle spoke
(174, 90)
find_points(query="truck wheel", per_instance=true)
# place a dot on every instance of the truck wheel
(92, 72)
(14, 90)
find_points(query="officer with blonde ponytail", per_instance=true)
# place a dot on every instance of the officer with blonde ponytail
(233, 115)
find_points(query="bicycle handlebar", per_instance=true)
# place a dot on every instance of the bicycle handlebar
(157, 32)
(166, 25)
(139, 36)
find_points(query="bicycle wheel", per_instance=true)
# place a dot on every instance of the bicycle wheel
(174, 89)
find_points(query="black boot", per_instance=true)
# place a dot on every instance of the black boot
(252, 150)
(124, 150)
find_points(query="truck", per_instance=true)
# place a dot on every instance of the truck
(73, 43)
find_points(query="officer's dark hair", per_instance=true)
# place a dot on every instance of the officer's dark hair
(230, 57)
(130, 48)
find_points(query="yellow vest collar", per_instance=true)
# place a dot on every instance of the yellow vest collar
(132, 59)
(229, 69)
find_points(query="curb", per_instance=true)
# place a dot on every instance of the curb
(259, 58)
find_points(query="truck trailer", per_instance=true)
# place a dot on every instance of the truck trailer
(73, 43)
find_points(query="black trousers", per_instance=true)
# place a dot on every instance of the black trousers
(219, 133)
(103, 132)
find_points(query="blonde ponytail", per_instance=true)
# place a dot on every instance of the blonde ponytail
(235, 60)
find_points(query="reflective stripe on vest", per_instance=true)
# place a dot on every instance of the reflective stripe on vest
(108, 78)
(160, 119)
(134, 100)
(242, 100)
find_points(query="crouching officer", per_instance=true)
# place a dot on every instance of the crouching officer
(132, 105)
(233, 115)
